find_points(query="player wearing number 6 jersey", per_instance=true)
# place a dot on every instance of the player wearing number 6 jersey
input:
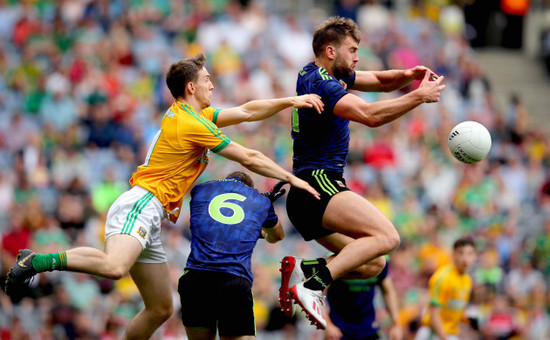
(227, 218)
(176, 158)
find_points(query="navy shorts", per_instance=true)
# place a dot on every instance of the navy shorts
(305, 211)
(217, 301)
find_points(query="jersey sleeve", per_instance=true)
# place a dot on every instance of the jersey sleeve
(202, 131)
(211, 113)
(350, 81)
(271, 219)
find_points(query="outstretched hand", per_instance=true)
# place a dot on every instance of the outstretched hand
(275, 192)
(309, 101)
(418, 72)
(430, 88)
(301, 184)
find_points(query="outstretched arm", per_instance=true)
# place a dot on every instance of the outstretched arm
(390, 80)
(375, 114)
(257, 162)
(436, 322)
(262, 109)
(389, 294)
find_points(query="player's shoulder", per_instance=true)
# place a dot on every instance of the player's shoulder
(443, 272)
(313, 72)
(208, 111)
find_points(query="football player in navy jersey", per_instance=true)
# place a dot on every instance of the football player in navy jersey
(351, 312)
(228, 217)
(344, 222)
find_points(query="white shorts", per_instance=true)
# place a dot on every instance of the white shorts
(426, 333)
(138, 212)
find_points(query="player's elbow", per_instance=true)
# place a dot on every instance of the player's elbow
(274, 238)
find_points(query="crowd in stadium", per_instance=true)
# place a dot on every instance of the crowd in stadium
(82, 92)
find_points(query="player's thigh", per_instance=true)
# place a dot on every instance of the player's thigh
(123, 250)
(154, 284)
(136, 213)
(351, 214)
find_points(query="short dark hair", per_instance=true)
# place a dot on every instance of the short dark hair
(245, 178)
(463, 242)
(182, 72)
(333, 31)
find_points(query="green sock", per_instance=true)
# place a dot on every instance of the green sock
(312, 266)
(49, 262)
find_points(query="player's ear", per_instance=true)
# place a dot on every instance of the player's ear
(330, 51)
(190, 87)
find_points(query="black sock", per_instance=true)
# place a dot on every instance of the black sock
(320, 280)
(310, 267)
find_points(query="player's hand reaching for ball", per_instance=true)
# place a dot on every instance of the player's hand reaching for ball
(418, 73)
(309, 101)
(430, 88)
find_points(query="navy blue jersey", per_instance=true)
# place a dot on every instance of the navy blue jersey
(351, 305)
(226, 221)
(321, 141)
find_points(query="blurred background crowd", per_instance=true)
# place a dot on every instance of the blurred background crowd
(82, 93)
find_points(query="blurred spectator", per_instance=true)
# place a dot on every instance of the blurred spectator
(522, 280)
(501, 324)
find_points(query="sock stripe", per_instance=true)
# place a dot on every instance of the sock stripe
(310, 262)
(63, 260)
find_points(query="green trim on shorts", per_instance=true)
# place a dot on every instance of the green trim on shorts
(135, 212)
(185, 271)
(254, 314)
(324, 182)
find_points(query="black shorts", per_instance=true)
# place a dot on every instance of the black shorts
(304, 210)
(216, 300)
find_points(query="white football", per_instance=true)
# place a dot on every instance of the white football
(469, 142)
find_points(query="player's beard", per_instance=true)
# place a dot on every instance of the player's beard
(341, 68)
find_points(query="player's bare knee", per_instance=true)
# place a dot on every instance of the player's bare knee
(115, 272)
(368, 270)
(379, 262)
(394, 241)
(375, 266)
(164, 311)
(390, 242)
